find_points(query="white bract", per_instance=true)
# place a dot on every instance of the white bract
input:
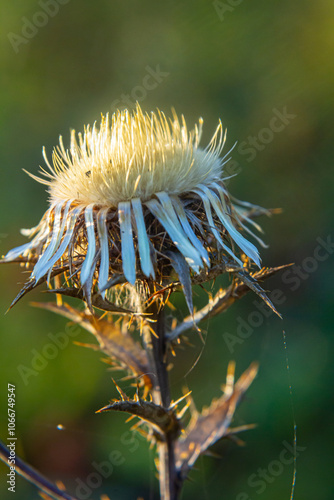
(132, 167)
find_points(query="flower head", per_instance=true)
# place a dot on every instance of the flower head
(126, 198)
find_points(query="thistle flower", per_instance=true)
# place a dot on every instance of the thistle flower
(126, 198)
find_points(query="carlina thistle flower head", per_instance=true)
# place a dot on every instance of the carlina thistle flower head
(129, 200)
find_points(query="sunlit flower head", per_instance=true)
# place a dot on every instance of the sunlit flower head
(126, 197)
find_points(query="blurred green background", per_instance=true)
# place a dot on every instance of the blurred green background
(244, 62)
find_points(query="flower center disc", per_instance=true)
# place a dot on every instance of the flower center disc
(134, 156)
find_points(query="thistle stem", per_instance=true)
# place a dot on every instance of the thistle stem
(33, 476)
(155, 344)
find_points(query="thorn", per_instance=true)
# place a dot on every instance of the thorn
(151, 329)
(105, 408)
(241, 428)
(95, 347)
(170, 305)
(199, 333)
(140, 431)
(175, 403)
(212, 454)
(172, 350)
(130, 418)
(121, 392)
(236, 440)
(229, 386)
(184, 409)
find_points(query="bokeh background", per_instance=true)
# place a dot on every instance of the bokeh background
(244, 62)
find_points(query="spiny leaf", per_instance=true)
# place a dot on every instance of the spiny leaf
(251, 282)
(213, 423)
(117, 343)
(164, 420)
(226, 298)
(30, 284)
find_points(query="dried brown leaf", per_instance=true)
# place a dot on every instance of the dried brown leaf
(164, 420)
(115, 342)
(212, 424)
(226, 298)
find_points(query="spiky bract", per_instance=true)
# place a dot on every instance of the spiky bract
(127, 197)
